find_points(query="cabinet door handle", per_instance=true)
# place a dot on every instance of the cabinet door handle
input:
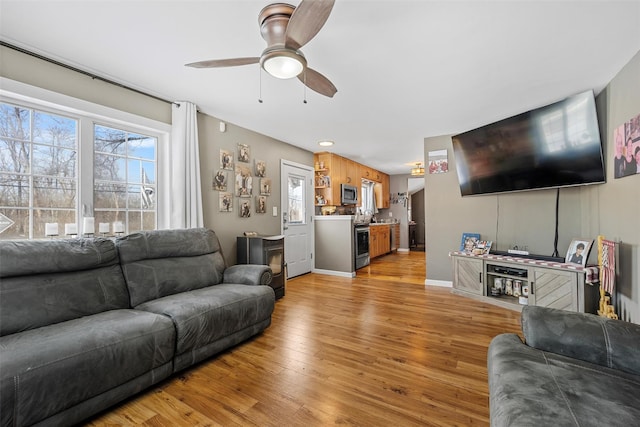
(479, 277)
(531, 288)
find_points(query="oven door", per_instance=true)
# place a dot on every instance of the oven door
(361, 246)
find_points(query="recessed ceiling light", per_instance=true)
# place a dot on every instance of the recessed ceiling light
(325, 143)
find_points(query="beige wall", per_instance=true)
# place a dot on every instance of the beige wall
(229, 225)
(528, 219)
(27, 69)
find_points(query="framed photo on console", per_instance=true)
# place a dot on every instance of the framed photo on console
(578, 251)
(468, 242)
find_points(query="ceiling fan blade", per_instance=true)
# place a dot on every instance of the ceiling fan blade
(317, 82)
(215, 63)
(306, 21)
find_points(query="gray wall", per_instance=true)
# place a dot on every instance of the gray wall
(24, 68)
(229, 225)
(528, 219)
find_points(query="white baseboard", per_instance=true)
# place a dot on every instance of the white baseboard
(441, 283)
(334, 273)
(403, 249)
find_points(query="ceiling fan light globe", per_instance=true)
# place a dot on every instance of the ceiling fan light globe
(283, 67)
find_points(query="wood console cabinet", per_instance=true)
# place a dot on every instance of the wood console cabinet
(555, 285)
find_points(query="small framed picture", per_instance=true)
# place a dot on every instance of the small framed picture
(244, 181)
(265, 186)
(261, 204)
(578, 251)
(261, 168)
(226, 160)
(220, 180)
(482, 247)
(245, 208)
(244, 153)
(226, 202)
(468, 242)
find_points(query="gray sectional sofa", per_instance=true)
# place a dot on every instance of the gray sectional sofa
(86, 323)
(574, 369)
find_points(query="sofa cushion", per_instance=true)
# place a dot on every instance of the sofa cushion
(53, 368)
(532, 387)
(166, 262)
(206, 315)
(50, 281)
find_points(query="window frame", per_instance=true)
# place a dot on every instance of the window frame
(88, 115)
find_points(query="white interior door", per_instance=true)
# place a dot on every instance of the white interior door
(297, 216)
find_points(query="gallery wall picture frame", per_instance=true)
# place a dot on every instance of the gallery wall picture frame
(438, 161)
(468, 242)
(265, 186)
(244, 153)
(244, 181)
(578, 251)
(244, 208)
(261, 168)
(220, 180)
(225, 202)
(626, 153)
(261, 204)
(226, 159)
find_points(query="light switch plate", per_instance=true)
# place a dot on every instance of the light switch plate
(275, 211)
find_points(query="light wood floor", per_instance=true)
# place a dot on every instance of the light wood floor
(382, 349)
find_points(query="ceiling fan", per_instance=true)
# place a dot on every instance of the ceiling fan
(286, 29)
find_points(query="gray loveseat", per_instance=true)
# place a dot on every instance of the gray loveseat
(574, 369)
(86, 323)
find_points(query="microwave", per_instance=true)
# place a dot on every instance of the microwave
(348, 194)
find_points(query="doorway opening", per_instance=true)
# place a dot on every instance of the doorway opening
(415, 213)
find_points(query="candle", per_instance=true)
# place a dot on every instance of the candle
(118, 227)
(88, 225)
(70, 229)
(103, 227)
(51, 229)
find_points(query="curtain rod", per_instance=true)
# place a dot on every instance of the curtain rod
(78, 70)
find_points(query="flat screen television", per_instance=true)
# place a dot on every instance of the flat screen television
(553, 146)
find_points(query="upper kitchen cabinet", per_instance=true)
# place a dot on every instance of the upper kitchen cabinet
(331, 170)
(349, 172)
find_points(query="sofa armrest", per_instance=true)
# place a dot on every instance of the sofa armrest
(606, 342)
(248, 274)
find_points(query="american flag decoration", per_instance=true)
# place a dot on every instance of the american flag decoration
(607, 264)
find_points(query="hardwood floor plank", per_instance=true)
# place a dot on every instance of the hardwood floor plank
(377, 350)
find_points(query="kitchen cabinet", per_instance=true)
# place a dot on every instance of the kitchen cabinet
(379, 240)
(327, 189)
(331, 170)
(395, 236)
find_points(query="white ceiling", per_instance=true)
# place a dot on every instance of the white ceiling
(405, 70)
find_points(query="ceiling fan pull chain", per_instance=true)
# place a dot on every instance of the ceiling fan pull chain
(260, 80)
(304, 101)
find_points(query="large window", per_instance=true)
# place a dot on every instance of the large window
(124, 178)
(58, 168)
(38, 171)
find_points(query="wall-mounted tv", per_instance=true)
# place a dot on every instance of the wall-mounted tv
(553, 146)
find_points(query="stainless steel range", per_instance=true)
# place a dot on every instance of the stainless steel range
(361, 244)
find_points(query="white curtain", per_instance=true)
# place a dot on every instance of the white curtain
(186, 194)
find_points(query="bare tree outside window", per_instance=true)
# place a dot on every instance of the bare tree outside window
(125, 178)
(38, 170)
(40, 181)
